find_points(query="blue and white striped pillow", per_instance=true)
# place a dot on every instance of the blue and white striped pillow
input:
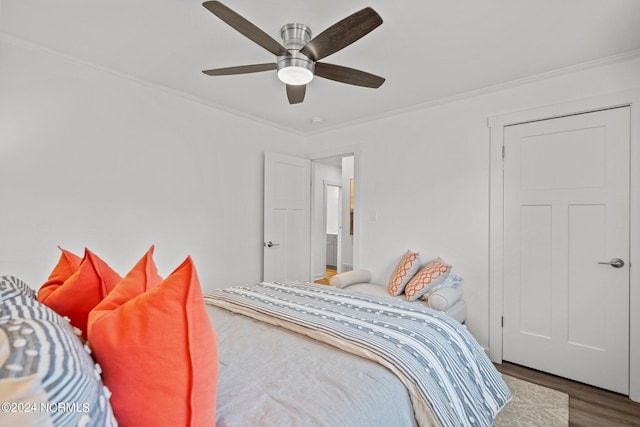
(47, 377)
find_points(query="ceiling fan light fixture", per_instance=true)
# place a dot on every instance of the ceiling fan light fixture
(295, 71)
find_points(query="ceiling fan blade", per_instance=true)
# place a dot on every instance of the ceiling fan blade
(347, 75)
(242, 69)
(246, 28)
(295, 93)
(342, 34)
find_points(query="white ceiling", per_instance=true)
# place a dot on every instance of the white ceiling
(428, 50)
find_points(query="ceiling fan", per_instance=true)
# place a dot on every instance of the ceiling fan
(298, 56)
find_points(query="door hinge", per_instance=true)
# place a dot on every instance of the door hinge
(502, 321)
(503, 151)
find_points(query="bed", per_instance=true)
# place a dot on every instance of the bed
(285, 354)
(294, 354)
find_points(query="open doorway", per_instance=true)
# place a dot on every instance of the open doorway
(332, 217)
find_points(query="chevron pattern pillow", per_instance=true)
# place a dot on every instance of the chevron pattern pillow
(12, 287)
(47, 376)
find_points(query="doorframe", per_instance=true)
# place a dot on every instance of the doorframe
(354, 150)
(496, 126)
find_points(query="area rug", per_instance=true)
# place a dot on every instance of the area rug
(533, 405)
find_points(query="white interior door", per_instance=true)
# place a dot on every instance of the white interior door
(566, 215)
(287, 220)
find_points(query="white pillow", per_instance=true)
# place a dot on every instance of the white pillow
(347, 278)
(444, 298)
(450, 281)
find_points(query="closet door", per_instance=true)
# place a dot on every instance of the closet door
(566, 272)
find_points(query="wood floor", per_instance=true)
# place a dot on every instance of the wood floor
(325, 281)
(588, 406)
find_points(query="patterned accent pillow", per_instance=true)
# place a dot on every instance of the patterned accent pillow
(47, 377)
(429, 276)
(406, 268)
(11, 287)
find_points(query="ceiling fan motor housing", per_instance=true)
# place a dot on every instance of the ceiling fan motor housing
(297, 68)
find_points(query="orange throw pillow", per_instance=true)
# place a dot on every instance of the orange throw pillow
(82, 291)
(158, 351)
(68, 264)
(142, 277)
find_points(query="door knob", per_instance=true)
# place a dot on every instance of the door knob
(615, 262)
(271, 244)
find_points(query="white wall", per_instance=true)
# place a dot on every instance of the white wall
(333, 209)
(425, 176)
(93, 159)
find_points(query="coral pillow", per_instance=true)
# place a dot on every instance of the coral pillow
(158, 351)
(142, 277)
(405, 270)
(68, 264)
(82, 291)
(429, 276)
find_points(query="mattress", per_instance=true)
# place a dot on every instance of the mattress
(269, 376)
(281, 361)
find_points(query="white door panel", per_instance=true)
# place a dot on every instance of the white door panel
(566, 201)
(286, 218)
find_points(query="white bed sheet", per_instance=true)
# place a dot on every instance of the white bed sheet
(269, 376)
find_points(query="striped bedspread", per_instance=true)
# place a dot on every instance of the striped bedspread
(449, 378)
